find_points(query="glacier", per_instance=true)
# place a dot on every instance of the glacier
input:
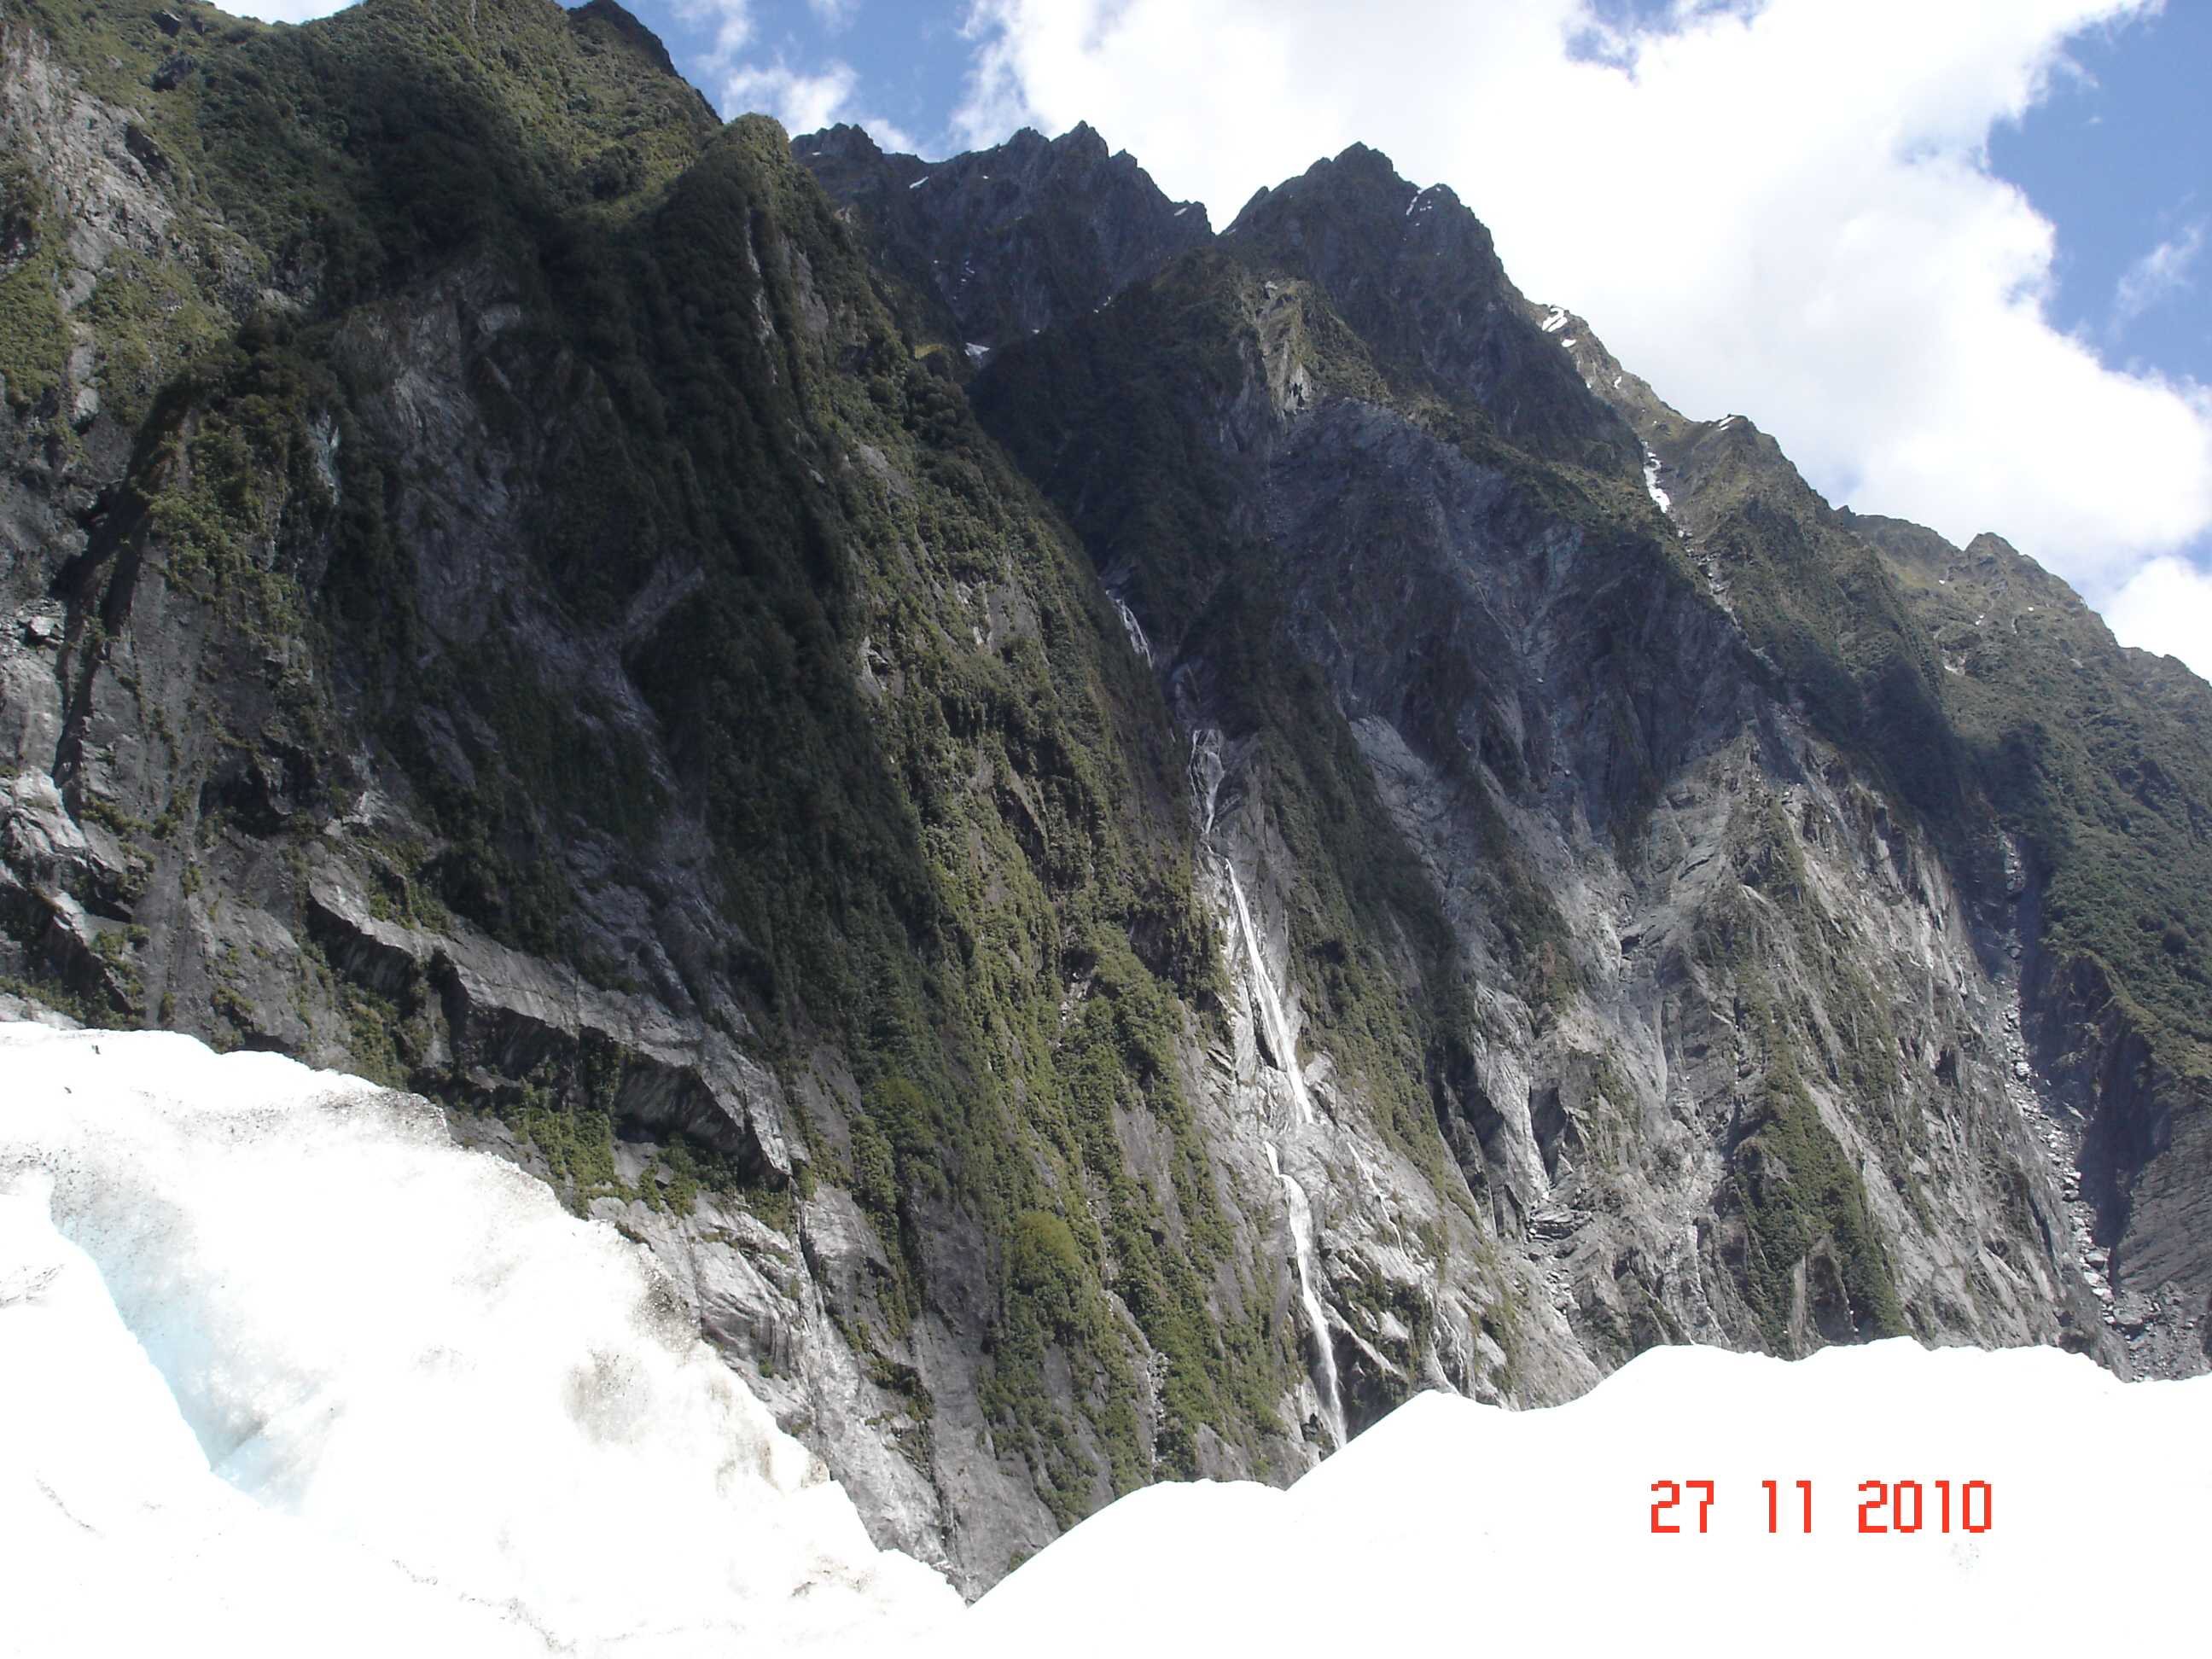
(282, 1367)
(284, 1370)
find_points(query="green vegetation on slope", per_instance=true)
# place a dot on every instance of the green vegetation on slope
(944, 816)
(2100, 758)
(1152, 495)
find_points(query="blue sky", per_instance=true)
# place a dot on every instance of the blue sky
(2120, 160)
(1958, 258)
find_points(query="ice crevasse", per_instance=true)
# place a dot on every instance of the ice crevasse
(282, 1370)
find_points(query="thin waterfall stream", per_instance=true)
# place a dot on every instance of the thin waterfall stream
(1138, 642)
(1207, 769)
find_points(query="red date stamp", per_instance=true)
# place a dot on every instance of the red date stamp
(1886, 1506)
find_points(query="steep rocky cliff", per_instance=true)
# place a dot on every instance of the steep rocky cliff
(1697, 1004)
(1281, 834)
(2065, 782)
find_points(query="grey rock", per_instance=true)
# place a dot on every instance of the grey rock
(1011, 240)
(174, 72)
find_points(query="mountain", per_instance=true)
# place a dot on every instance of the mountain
(1281, 834)
(1000, 243)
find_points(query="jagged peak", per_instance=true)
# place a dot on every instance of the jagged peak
(1364, 180)
(1358, 158)
(866, 165)
(846, 141)
(1083, 137)
(1356, 166)
(1011, 239)
(845, 138)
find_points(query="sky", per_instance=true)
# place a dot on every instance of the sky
(1956, 258)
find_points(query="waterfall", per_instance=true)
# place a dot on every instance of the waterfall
(1138, 642)
(1302, 1245)
(1280, 1038)
(1207, 770)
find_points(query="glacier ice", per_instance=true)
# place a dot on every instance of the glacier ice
(287, 1368)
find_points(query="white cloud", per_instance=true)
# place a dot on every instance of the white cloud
(1784, 208)
(730, 21)
(2166, 607)
(2159, 275)
(833, 13)
(804, 101)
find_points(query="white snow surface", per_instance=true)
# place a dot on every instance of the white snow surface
(1451, 1527)
(1556, 321)
(1660, 498)
(282, 1370)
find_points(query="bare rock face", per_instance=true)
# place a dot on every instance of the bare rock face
(1414, 273)
(1738, 1063)
(1008, 240)
(1759, 881)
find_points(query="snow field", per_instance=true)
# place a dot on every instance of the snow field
(1454, 1527)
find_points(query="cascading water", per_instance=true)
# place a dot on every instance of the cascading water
(1206, 769)
(1138, 642)
(1272, 1017)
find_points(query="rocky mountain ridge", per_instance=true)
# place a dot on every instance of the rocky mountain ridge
(1109, 906)
(998, 244)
